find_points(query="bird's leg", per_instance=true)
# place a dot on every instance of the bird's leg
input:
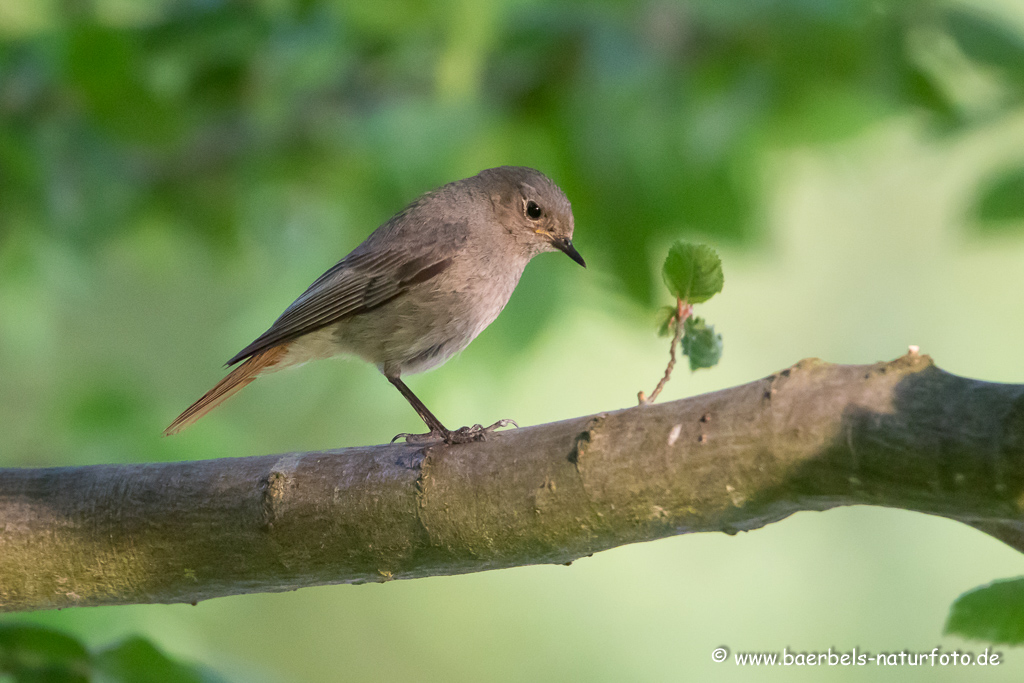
(438, 430)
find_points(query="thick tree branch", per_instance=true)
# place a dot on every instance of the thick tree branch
(902, 434)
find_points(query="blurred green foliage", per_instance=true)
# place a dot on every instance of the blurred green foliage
(993, 613)
(655, 117)
(1001, 201)
(35, 654)
(991, 43)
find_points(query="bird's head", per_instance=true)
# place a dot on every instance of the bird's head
(532, 209)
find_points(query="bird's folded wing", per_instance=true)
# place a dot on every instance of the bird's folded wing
(356, 284)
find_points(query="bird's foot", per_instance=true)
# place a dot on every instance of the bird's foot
(477, 432)
(461, 435)
(421, 438)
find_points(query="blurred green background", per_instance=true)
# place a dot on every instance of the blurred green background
(173, 174)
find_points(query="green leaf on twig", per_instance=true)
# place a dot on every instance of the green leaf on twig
(700, 343)
(666, 315)
(693, 272)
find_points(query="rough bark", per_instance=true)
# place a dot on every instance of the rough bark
(903, 434)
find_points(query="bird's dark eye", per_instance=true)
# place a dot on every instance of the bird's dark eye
(533, 210)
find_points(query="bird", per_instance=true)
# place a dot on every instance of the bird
(417, 291)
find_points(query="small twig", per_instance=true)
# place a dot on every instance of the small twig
(683, 311)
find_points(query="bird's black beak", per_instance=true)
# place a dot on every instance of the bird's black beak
(564, 244)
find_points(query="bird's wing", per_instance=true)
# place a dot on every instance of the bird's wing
(356, 284)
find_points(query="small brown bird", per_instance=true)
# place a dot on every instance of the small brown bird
(418, 290)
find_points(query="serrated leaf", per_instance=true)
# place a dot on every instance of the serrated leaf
(666, 314)
(693, 272)
(993, 612)
(700, 343)
(1002, 197)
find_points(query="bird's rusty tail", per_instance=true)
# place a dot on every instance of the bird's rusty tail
(229, 386)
